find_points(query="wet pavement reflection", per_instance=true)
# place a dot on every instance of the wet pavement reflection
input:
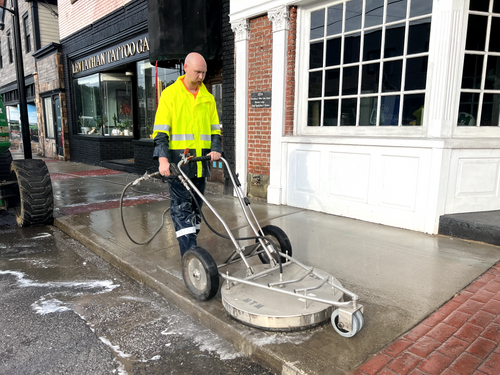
(100, 321)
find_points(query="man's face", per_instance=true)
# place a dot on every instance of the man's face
(195, 71)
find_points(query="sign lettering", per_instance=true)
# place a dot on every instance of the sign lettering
(260, 99)
(112, 55)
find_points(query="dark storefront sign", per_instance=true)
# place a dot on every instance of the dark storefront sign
(131, 50)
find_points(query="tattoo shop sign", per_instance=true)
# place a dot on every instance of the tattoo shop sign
(112, 56)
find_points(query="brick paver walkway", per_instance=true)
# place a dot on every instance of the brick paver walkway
(462, 337)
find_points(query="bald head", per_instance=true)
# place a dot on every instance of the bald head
(195, 67)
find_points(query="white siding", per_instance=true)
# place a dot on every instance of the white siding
(49, 26)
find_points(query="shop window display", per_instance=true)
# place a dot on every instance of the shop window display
(146, 93)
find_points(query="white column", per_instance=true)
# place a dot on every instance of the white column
(279, 18)
(446, 49)
(241, 29)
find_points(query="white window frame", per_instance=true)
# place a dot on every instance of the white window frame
(302, 86)
(471, 131)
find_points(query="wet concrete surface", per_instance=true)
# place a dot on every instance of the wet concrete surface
(401, 276)
(66, 310)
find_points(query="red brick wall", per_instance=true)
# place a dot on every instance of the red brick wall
(290, 72)
(73, 17)
(259, 79)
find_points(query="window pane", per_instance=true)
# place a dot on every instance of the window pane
(351, 48)
(491, 110)
(480, 5)
(374, 12)
(494, 35)
(315, 84)
(313, 113)
(420, 7)
(350, 81)
(49, 119)
(493, 73)
(476, 33)
(334, 20)
(318, 24)
(473, 68)
(413, 109)
(88, 104)
(394, 41)
(396, 10)
(418, 36)
(392, 76)
(371, 49)
(316, 55)
(368, 111)
(389, 110)
(369, 79)
(353, 15)
(467, 112)
(331, 112)
(416, 73)
(117, 111)
(146, 94)
(348, 114)
(333, 52)
(332, 81)
(496, 6)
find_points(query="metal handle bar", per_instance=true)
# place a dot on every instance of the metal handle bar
(321, 300)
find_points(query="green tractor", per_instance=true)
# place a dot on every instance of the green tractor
(25, 185)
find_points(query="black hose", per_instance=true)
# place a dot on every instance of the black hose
(240, 238)
(123, 221)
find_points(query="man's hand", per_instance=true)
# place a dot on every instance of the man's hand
(164, 168)
(215, 155)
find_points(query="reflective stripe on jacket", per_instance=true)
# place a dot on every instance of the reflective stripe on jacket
(188, 122)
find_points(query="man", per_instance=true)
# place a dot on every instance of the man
(187, 118)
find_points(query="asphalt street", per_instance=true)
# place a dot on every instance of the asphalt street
(65, 310)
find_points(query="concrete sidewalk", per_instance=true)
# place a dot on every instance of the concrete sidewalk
(408, 282)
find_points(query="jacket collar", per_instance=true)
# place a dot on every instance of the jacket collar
(202, 91)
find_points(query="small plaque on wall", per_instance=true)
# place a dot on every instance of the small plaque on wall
(260, 99)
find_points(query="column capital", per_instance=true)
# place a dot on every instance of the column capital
(241, 29)
(279, 18)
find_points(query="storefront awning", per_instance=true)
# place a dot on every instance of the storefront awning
(178, 27)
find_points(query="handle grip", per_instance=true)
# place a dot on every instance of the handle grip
(200, 158)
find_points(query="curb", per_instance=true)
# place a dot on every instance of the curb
(211, 314)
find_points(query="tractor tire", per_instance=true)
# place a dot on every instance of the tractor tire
(36, 206)
(5, 162)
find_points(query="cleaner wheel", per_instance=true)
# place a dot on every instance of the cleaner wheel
(280, 239)
(357, 324)
(200, 274)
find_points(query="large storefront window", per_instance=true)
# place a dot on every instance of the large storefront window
(480, 93)
(146, 93)
(368, 63)
(104, 104)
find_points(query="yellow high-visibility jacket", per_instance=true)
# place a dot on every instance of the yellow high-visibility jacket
(183, 121)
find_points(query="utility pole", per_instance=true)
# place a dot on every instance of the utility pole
(23, 105)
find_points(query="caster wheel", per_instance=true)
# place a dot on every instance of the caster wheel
(280, 239)
(357, 324)
(200, 273)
